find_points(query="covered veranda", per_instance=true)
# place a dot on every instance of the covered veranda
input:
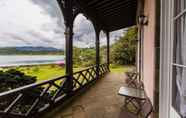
(41, 98)
(99, 101)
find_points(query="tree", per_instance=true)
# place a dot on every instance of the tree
(13, 78)
(123, 52)
(84, 56)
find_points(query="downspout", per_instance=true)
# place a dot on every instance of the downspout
(139, 56)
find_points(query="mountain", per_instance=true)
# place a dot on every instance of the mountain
(30, 50)
(36, 49)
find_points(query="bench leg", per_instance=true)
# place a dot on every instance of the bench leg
(127, 101)
(141, 103)
(136, 104)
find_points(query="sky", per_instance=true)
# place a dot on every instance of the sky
(40, 23)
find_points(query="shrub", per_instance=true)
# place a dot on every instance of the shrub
(123, 52)
(13, 78)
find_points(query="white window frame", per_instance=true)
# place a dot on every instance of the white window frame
(166, 59)
(166, 37)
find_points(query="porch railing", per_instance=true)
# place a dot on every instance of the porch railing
(34, 99)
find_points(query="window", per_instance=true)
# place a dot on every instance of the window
(179, 58)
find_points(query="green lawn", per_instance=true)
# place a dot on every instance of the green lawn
(45, 72)
(120, 68)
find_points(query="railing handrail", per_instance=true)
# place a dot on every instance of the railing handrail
(42, 95)
(84, 69)
(88, 68)
(26, 87)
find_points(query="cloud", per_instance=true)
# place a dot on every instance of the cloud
(40, 23)
(84, 34)
(29, 23)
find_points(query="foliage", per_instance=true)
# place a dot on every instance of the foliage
(103, 54)
(120, 68)
(13, 78)
(43, 72)
(84, 56)
(123, 52)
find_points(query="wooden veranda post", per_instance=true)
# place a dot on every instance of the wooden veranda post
(108, 48)
(97, 31)
(139, 58)
(68, 17)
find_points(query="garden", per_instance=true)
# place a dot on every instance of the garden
(122, 59)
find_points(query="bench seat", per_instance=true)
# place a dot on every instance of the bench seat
(132, 92)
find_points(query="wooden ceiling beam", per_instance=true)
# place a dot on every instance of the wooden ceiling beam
(117, 9)
(110, 15)
(113, 3)
(101, 3)
(113, 15)
(118, 27)
(93, 2)
(91, 14)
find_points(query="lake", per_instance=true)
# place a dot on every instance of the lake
(21, 60)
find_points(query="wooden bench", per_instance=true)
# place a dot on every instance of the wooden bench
(133, 80)
(143, 108)
(135, 95)
(132, 96)
(144, 112)
(132, 92)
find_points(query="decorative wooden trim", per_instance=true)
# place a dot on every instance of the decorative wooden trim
(31, 100)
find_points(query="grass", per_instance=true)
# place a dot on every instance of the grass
(45, 72)
(120, 68)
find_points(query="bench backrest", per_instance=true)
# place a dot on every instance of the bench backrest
(135, 83)
(147, 108)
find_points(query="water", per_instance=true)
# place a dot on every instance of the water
(20, 60)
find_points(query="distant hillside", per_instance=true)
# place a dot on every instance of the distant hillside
(36, 49)
(30, 50)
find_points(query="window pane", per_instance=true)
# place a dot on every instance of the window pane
(180, 6)
(179, 60)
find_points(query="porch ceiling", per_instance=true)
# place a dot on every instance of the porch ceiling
(110, 14)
